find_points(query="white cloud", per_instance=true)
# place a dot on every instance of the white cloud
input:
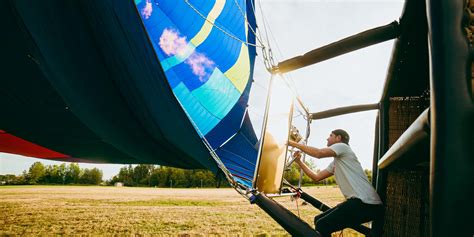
(173, 44)
(200, 65)
(147, 10)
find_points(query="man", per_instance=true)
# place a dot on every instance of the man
(362, 201)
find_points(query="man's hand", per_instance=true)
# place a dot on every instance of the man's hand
(297, 156)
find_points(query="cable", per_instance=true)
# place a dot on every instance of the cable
(218, 27)
(264, 24)
(297, 208)
(246, 21)
(260, 85)
(268, 54)
(256, 112)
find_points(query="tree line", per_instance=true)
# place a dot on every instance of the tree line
(139, 175)
(162, 176)
(54, 174)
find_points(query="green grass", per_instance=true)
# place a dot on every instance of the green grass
(79, 210)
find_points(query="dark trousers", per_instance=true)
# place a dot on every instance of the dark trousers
(348, 214)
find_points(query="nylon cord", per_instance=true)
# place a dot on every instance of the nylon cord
(218, 27)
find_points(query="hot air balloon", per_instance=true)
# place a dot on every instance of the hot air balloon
(167, 82)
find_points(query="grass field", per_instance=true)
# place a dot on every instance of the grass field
(79, 210)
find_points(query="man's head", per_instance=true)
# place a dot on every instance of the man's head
(337, 136)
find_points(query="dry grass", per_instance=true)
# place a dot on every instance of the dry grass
(68, 210)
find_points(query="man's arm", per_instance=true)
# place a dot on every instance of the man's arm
(313, 151)
(314, 176)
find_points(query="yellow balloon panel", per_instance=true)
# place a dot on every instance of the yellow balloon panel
(272, 162)
(273, 151)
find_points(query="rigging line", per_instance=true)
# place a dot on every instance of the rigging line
(267, 52)
(299, 115)
(301, 112)
(264, 23)
(248, 24)
(259, 32)
(255, 14)
(267, 61)
(256, 111)
(297, 207)
(293, 90)
(291, 81)
(277, 46)
(289, 76)
(260, 85)
(218, 27)
(295, 93)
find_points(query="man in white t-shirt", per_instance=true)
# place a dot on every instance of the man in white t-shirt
(362, 201)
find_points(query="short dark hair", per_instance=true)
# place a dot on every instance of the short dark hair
(344, 135)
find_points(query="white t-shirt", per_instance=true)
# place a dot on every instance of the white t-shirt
(350, 176)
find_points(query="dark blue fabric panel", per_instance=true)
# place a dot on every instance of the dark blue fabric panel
(233, 22)
(237, 160)
(227, 127)
(247, 131)
(239, 171)
(234, 168)
(251, 36)
(239, 145)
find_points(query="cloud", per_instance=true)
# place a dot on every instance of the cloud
(147, 10)
(200, 65)
(171, 43)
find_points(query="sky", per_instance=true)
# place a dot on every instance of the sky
(295, 27)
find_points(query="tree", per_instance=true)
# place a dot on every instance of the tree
(11, 179)
(35, 173)
(141, 174)
(62, 170)
(293, 175)
(73, 172)
(96, 176)
(125, 176)
(202, 178)
(55, 174)
(160, 177)
(91, 176)
(177, 178)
